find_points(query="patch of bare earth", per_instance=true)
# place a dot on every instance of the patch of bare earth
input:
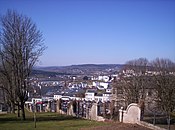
(117, 126)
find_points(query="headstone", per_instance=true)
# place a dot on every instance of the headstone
(58, 106)
(131, 115)
(93, 112)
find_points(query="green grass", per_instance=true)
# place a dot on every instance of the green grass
(45, 121)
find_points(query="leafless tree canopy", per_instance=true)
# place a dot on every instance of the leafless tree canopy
(21, 44)
(163, 65)
(138, 65)
(140, 75)
(165, 85)
(135, 85)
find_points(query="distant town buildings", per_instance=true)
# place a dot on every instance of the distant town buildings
(88, 88)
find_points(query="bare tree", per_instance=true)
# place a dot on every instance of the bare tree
(165, 85)
(7, 83)
(21, 45)
(133, 82)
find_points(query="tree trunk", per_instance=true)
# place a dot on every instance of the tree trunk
(112, 109)
(142, 107)
(23, 111)
(154, 120)
(13, 108)
(169, 121)
(18, 110)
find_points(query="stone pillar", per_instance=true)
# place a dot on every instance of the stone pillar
(93, 112)
(104, 109)
(74, 106)
(40, 107)
(121, 114)
(49, 106)
(70, 110)
(87, 110)
(82, 109)
(0, 107)
(78, 107)
(30, 107)
(58, 106)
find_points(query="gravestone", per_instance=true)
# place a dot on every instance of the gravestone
(93, 113)
(70, 109)
(131, 115)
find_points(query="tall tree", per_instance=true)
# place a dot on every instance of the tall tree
(21, 45)
(135, 81)
(165, 85)
(132, 84)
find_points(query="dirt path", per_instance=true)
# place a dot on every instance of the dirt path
(118, 126)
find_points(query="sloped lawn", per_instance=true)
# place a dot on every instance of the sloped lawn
(45, 121)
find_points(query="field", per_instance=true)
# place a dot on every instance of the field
(54, 121)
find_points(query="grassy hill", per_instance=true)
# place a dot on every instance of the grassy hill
(45, 121)
(55, 121)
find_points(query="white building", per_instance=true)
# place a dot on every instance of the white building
(103, 78)
(66, 96)
(107, 96)
(104, 84)
(36, 100)
(57, 96)
(92, 95)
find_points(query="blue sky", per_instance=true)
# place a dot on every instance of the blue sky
(101, 31)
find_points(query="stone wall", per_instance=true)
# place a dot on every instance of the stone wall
(83, 109)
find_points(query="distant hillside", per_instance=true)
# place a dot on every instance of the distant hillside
(82, 69)
(47, 73)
